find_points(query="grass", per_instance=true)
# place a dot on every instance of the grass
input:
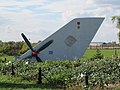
(106, 52)
(8, 82)
(10, 58)
(13, 86)
(87, 55)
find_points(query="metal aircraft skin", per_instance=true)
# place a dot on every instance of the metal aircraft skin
(68, 43)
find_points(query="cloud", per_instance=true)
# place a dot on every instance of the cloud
(4, 3)
(40, 18)
(112, 2)
(107, 32)
(90, 8)
(3, 21)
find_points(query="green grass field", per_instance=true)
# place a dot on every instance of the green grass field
(87, 55)
(106, 52)
(7, 82)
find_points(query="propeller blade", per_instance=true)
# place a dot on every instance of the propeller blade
(27, 41)
(38, 59)
(45, 45)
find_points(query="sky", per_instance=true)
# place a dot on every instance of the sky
(38, 19)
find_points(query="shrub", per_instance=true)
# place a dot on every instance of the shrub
(101, 72)
(98, 55)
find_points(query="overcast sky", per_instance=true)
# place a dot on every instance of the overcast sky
(40, 18)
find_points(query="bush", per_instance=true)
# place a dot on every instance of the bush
(98, 55)
(101, 72)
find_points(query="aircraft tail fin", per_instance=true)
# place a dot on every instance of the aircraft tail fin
(70, 41)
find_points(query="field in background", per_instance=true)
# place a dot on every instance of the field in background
(106, 52)
(87, 55)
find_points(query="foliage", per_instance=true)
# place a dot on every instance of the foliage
(117, 18)
(24, 48)
(98, 55)
(101, 72)
(13, 48)
(119, 37)
(10, 48)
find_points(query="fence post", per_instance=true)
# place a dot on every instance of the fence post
(12, 69)
(86, 81)
(39, 76)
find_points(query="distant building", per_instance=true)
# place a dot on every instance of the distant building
(94, 45)
(97, 43)
(103, 45)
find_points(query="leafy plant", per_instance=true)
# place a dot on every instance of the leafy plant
(102, 72)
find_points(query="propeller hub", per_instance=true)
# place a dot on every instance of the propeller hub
(34, 53)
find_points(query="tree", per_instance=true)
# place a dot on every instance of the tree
(24, 48)
(97, 55)
(117, 19)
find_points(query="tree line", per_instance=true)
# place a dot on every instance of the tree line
(13, 48)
